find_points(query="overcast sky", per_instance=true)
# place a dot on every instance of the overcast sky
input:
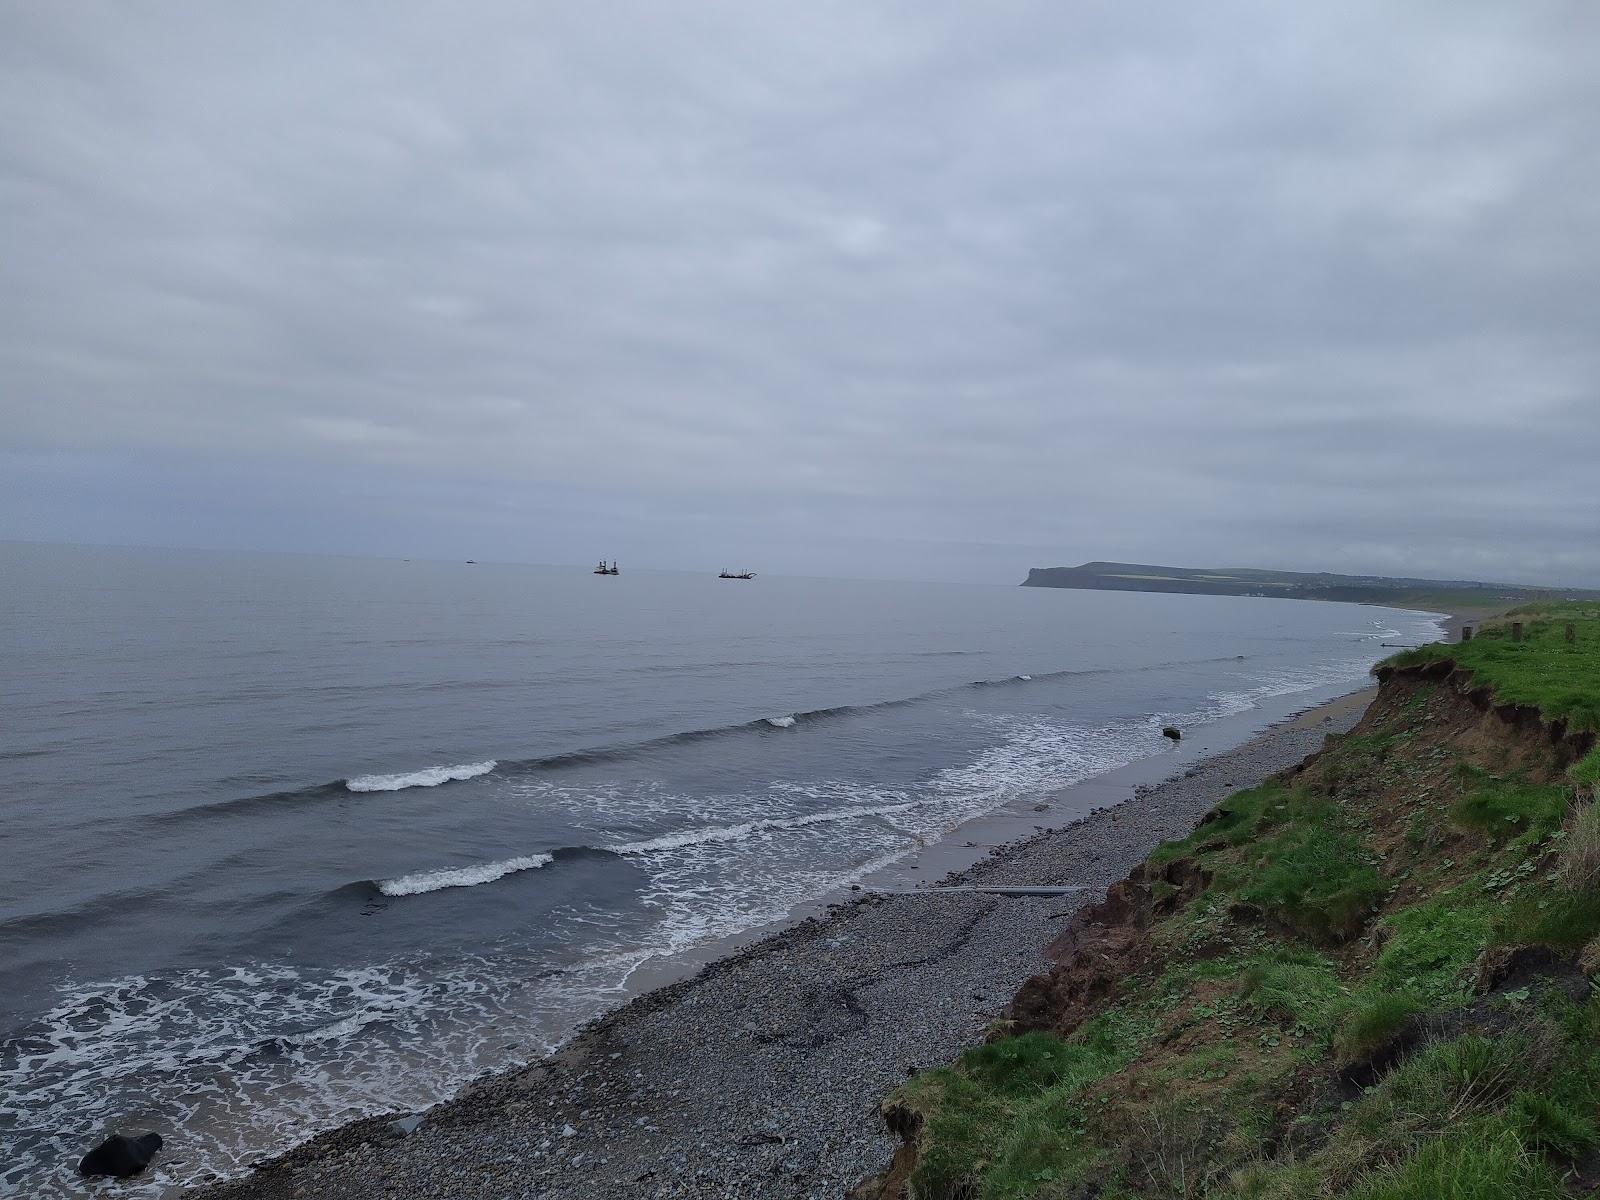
(937, 290)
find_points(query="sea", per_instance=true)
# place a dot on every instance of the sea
(292, 840)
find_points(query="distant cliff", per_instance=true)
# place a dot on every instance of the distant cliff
(1453, 594)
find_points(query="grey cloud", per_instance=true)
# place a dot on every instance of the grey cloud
(846, 287)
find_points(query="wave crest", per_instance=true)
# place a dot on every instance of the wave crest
(427, 777)
(449, 877)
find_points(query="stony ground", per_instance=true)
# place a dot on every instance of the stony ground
(761, 1075)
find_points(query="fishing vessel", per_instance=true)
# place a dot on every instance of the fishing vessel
(602, 569)
(727, 574)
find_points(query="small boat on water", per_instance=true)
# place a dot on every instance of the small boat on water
(602, 569)
(727, 574)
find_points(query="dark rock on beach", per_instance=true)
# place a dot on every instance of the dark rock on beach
(121, 1156)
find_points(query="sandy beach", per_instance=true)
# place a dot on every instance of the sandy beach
(761, 1074)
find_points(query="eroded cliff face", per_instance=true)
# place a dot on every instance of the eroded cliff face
(1224, 1006)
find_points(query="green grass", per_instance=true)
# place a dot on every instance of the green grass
(1314, 877)
(1431, 944)
(1482, 1116)
(1272, 1181)
(1552, 1127)
(1561, 680)
(1003, 1120)
(1586, 771)
(1475, 1164)
(1509, 808)
(1021, 1065)
(1298, 985)
(1302, 864)
(1550, 916)
(1232, 823)
(1374, 1022)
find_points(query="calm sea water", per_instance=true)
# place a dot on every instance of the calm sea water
(288, 840)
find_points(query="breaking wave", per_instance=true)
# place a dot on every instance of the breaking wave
(745, 830)
(449, 877)
(427, 777)
(415, 883)
(418, 882)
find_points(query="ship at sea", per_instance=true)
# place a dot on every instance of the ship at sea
(602, 569)
(727, 574)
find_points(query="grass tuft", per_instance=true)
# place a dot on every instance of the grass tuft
(1004, 1120)
(1561, 919)
(1471, 1165)
(1506, 808)
(1296, 984)
(1580, 852)
(1551, 1127)
(1232, 823)
(1586, 771)
(1316, 879)
(1029, 1063)
(1432, 944)
(1374, 1023)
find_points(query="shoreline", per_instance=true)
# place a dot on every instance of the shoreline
(755, 1067)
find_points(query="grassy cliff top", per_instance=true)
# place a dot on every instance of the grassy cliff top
(1373, 977)
(1543, 670)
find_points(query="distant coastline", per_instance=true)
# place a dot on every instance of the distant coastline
(1464, 597)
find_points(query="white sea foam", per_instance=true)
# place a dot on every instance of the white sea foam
(229, 1055)
(427, 777)
(1034, 755)
(449, 877)
(780, 722)
(745, 830)
(1268, 685)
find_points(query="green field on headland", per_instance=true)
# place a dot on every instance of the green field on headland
(1369, 977)
(1459, 596)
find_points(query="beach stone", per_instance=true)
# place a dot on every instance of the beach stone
(121, 1156)
(1172, 731)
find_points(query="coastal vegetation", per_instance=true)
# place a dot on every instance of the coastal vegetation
(1370, 977)
(1444, 595)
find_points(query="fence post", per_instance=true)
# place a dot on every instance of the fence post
(1572, 633)
(1466, 633)
(1516, 631)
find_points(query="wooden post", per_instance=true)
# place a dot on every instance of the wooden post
(1516, 631)
(1572, 633)
(1466, 633)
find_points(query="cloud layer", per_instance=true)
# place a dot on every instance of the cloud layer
(918, 288)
